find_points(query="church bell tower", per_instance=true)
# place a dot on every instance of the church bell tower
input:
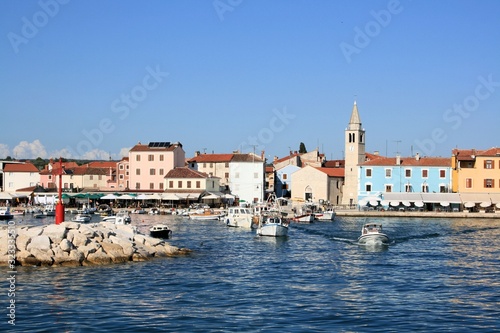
(354, 155)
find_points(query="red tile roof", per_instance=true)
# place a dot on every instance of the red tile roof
(101, 164)
(470, 154)
(214, 158)
(23, 167)
(141, 147)
(333, 172)
(184, 172)
(410, 161)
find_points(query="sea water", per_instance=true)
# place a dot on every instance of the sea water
(437, 275)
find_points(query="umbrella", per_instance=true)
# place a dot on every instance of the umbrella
(169, 196)
(110, 196)
(143, 197)
(127, 197)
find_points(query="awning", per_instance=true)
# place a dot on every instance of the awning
(394, 203)
(444, 203)
(451, 198)
(211, 196)
(419, 204)
(475, 197)
(110, 196)
(469, 204)
(485, 204)
(384, 203)
(373, 203)
(169, 196)
(406, 203)
(362, 203)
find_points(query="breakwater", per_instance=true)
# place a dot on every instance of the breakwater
(80, 244)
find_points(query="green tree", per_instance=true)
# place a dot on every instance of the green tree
(302, 148)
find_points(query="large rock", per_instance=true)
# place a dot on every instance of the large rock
(115, 252)
(97, 258)
(41, 243)
(66, 245)
(55, 232)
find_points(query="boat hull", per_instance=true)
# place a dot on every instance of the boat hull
(325, 216)
(374, 239)
(273, 230)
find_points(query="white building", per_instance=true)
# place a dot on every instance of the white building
(246, 177)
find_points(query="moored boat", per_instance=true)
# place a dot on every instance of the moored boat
(205, 214)
(82, 218)
(239, 217)
(160, 231)
(5, 213)
(305, 218)
(272, 222)
(327, 215)
(371, 234)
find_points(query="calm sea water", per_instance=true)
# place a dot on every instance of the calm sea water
(437, 275)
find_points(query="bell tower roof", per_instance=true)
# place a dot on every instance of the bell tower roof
(355, 122)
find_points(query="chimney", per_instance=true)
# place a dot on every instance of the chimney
(376, 153)
(197, 153)
(398, 160)
(263, 154)
(417, 157)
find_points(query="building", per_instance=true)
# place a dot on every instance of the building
(191, 185)
(246, 177)
(122, 174)
(317, 185)
(148, 164)
(17, 175)
(284, 180)
(216, 165)
(354, 155)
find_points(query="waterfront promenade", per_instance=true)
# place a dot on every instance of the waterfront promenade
(424, 214)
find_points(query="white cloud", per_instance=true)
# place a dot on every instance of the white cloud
(124, 152)
(26, 149)
(96, 154)
(4, 151)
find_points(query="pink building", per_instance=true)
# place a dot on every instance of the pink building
(148, 164)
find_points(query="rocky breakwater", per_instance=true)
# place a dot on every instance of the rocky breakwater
(79, 244)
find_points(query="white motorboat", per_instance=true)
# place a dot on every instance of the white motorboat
(122, 217)
(273, 226)
(327, 215)
(271, 220)
(49, 210)
(205, 214)
(239, 217)
(160, 231)
(371, 234)
(305, 218)
(83, 218)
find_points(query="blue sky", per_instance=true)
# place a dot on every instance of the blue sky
(92, 78)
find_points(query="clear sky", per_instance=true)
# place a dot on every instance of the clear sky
(90, 79)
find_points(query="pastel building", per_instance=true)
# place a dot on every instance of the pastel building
(150, 163)
(190, 185)
(284, 180)
(18, 175)
(317, 185)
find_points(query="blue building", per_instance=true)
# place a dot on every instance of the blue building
(387, 181)
(284, 180)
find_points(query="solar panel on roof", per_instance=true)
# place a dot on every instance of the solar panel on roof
(159, 144)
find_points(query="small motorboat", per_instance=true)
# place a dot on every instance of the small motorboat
(83, 218)
(239, 217)
(160, 231)
(122, 217)
(371, 234)
(5, 213)
(272, 226)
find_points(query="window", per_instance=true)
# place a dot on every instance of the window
(188, 184)
(368, 187)
(137, 186)
(162, 157)
(151, 157)
(211, 165)
(425, 173)
(227, 165)
(138, 172)
(468, 182)
(91, 177)
(170, 184)
(489, 164)
(137, 158)
(425, 188)
(121, 167)
(368, 172)
(151, 186)
(442, 173)
(198, 184)
(285, 176)
(489, 183)
(121, 177)
(388, 188)
(408, 188)
(204, 165)
(179, 184)
(407, 173)
(99, 177)
(161, 172)
(161, 186)
(152, 172)
(442, 189)
(226, 175)
(388, 173)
